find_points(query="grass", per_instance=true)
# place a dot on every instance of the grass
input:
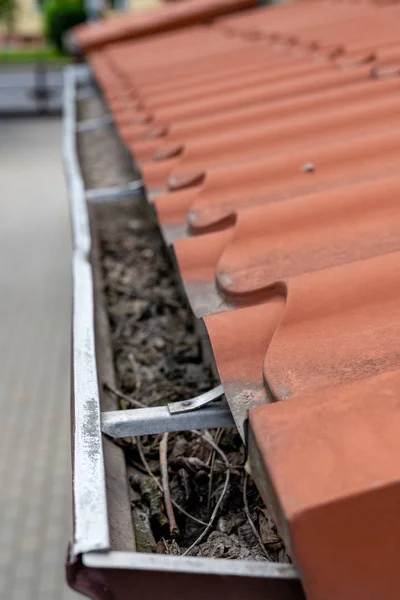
(47, 55)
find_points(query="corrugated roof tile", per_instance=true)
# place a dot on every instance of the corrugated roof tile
(257, 140)
(268, 142)
(328, 463)
(223, 190)
(165, 18)
(145, 143)
(269, 243)
(307, 333)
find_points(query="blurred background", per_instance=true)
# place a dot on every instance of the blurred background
(35, 300)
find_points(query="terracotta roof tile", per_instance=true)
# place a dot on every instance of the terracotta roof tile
(330, 460)
(268, 142)
(284, 134)
(224, 190)
(172, 16)
(271, 242)
(145, 143)
(260, 90)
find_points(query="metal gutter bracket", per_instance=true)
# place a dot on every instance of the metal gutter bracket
(114, 193)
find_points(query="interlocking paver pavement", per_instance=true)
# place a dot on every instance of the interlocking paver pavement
(35, 303)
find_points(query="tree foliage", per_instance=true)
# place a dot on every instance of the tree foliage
(8, 14)
(61, 15)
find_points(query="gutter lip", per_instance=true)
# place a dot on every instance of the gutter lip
(81, 238)
(91, 526)
(189, 564)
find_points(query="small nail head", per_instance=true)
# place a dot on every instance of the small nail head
(308, 167)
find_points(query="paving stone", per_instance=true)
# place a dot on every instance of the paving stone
(34, 368)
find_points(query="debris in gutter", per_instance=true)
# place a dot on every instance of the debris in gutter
(173, 528)
(158, 359)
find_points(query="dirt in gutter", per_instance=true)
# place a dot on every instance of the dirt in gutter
(158, 359)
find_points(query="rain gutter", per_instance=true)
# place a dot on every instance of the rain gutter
(94, 567)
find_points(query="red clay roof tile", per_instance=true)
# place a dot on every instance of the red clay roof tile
(269, 139)
(145, 144)
(352, 314)
(321, 79)
(330, 459)
(172, 16)
(309, 332)
(224, 190)
(274, 136)
(279, 240)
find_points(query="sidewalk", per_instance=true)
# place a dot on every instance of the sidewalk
(35, 304)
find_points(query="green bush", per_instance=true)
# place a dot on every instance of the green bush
(61, 15)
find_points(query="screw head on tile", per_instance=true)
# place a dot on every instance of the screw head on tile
(308, 167)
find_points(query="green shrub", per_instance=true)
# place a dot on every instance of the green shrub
(61, 15)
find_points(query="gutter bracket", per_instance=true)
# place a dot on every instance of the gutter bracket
(94, 124)
(114, 193)
(197, 402)
(158, 419)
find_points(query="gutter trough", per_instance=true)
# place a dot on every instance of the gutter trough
(103, 563)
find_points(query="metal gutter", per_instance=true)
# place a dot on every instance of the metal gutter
(188, 564)
(79, 214)
(91, 530)
(89, 483)
(94, 568)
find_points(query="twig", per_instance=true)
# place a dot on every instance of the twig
(136, 371)
(250, 520)
(211, 477)
(218, 504)
(145, 463)
(150, 472)
(173, 527)
(123, 396)
(184, 476)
